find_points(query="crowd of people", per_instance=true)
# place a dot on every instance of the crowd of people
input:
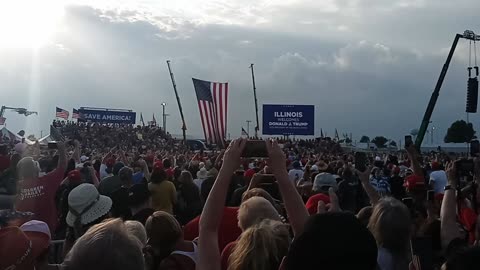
(125, 197)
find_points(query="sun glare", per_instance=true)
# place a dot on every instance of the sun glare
(28, 24)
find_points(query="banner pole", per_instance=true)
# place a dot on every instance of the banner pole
(256, 102)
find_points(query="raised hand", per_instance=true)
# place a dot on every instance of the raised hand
(364, 176)
(333, 206)
(277, 159)
(451, 174)
(232, 157)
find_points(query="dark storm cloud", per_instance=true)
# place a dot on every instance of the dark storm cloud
(365, 83)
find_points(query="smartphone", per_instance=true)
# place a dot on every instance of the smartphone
(408, 141)
(464, 167)
(430, 195)
(474, 148)
(52, 145)
(361, 161)
(256, 149)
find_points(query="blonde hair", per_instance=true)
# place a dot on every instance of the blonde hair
(260, 247)
(106, 246)
(255, 209)
(390, 224)
(136, 229)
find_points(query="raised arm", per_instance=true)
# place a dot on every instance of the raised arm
(145, 170)
(76, 152)
(209, 255)
(62, 156)
(367, 186)
(94, 176)
(448, 213)
(297, 213)
(413, 156)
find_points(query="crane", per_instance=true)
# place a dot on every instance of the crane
(22, 111)
(469, 35)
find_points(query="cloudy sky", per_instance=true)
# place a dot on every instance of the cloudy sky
(368, 66)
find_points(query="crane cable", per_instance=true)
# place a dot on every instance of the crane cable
(475, 55)
(470, 60)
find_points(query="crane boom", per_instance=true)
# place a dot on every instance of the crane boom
(468, 34)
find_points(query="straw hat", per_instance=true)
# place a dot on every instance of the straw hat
(87, 204)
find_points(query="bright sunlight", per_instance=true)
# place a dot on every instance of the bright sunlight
(29, 23)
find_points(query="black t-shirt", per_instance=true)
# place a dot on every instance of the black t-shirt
(120, 203)
(143, 215)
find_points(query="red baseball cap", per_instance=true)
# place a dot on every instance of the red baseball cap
(16, 250)
(414, 182)
(110, 162)
(312, 203)
(74, 176)
(249, 173)
(158, 165)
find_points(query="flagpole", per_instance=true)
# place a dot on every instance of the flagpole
(256, 102)
(184, 126)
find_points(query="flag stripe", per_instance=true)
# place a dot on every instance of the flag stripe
(208, 120)
(220, 105)
(212, 123)
(202, 118)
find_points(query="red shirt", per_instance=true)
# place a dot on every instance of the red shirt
(38, 196)
(228, 231)
(170, 172)
(227, 251)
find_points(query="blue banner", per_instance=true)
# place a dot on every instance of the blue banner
(288, 119)
(106, 116)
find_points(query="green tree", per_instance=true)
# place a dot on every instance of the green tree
(393, 143)
(365, 139)
(460, 132)
(380, 141)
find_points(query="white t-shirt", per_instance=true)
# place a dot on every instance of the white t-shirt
(295, 175)
(439, 179)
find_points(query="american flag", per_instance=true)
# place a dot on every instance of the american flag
(212, 100)
(61, 113)
(2, 120)
(75, 114)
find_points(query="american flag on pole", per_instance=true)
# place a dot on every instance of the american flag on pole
(61, 113)
(212, 100)
(2, 120)
(75, 114)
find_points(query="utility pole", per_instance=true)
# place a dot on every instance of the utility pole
(184, 126)
(256, 102)
(164, 118)
(248, 127)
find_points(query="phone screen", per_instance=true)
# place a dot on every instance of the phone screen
(360, 161)
(464, 167)
(52, 145)
(408, 141)
(255, 149)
